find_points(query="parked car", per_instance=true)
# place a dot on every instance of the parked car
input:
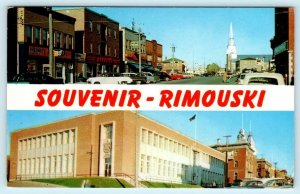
(163, 76)
(110, 79)
(263, 78)
(150, 77)
(136, 78)
(187, 75)
(35, 78)
(267, 183)
(240, 78)
(176, 76)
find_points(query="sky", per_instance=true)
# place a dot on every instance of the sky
(200, 34)
(273, 131)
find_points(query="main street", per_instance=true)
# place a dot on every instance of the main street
(214, 80)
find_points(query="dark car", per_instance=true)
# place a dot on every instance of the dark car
(163, 76)
(35, 78)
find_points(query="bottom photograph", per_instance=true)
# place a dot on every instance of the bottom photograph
(150, 149)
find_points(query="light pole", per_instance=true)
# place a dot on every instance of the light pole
(275, 174)
(51, 60)
(226, 161)
(139, 42)
(173, 51)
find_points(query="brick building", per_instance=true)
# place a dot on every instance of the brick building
(28, 42)
(264, 168)
(283, 42)
(241, 157)
(96, 43)
(154, 53)
(130, 49)
(173, 65)
(110, 144)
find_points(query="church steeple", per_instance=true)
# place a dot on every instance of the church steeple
(231, 53)
(231, 49)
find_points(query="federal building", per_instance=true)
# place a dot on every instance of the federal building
(111, 144)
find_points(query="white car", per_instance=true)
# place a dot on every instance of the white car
(263, 79)
(109, 80)
(240, 78)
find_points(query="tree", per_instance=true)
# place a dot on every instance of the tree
(212, 69)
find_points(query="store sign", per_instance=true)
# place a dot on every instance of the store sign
(281, 48)
(102, 59)
(38, 51)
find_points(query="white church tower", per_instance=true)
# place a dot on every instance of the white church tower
(231, 53)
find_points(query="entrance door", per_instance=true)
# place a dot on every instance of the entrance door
(107, 170)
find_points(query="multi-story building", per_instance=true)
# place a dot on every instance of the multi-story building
(96, 43)
(241, 157)
(258, 63)
(132, 43)
(283, 43)
(154, 53)
(111, 144)
(28, 42)
(173, 65)
(264, 168)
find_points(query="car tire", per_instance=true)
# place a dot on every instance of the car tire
(167, 79)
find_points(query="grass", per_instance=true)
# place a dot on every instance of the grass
(99, 182)
(168, 185)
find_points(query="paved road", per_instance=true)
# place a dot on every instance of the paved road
(200, 81)
(30, 184)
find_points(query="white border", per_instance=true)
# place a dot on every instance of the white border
(3, 15)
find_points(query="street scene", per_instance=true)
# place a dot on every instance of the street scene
(150, 149)
(103, 45)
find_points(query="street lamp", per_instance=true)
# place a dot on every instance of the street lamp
(275, 174)
(226, 161)
(139, 42)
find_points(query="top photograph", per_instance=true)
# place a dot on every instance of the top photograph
(150, 45)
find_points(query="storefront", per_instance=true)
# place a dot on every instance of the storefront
(98, 65)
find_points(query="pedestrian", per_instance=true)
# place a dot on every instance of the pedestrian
(224, 77)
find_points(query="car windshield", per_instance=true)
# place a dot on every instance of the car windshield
(263, 80)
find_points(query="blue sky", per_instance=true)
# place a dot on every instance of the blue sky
(273, 131)
(200, 34)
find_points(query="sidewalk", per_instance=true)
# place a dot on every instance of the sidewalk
(31, 184)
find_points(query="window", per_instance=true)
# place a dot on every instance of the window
(28, 34)
(166, 144)
(71, 163)
(20, 145)
(42, 165)
(38, 142)
(161, 142)
(235, 152)
(65, 164)
(59, 138)
(98, 29)
(48, 143)
(66, 137)
(57, 39)
(54, 138)
(115, 34)
(144, 135)
(155, 143)
(235, 176)
(43, 141)
(91, 26)
(142, 163)
(70, 41)
(44, 37)
(59, 164)
(236, 164)
(159, 167)
(98, 49)
(91, 47)
(109, 51)
(171, 145)
(115, 52)
(53, 164)
(63, 40)
(108, 131)
(72, 136)
(36, 35)
(150, 138)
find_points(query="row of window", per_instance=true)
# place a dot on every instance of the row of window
(164, 143)
(158, 167)
(40, 36)
(49, 140)
(107, 50)
(133, 46)
(46, 165)
(108, 31)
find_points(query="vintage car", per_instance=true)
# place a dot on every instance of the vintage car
(151, 78)
(263, 79)
(110, 79)
(136, 78)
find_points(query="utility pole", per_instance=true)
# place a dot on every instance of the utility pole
(139, 42)
(226, 160)
(51, 62)
(173, 51)
(91, 159)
